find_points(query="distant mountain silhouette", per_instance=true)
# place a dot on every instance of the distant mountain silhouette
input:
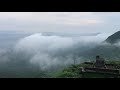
(113, 38)
(110, 52)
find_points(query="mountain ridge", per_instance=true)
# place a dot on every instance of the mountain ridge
(110, 51)
(114, 38)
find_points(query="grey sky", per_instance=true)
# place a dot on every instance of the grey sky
(107, 22)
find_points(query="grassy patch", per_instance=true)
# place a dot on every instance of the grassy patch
(73, 71)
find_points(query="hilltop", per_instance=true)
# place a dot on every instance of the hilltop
(113, 38)
(109, 50)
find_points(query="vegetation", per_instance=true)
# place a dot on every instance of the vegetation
(73, 71)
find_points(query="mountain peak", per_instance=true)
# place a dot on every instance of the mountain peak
(113, 38)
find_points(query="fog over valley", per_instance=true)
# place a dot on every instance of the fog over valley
(38, 44)
(30, 52)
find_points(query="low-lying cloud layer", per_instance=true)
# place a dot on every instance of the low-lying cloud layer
(41, 52)
(47, 51)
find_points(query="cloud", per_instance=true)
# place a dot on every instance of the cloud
(60, 21)
(51, 51)
(34, 20)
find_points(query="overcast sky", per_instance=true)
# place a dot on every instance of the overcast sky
(60, 21)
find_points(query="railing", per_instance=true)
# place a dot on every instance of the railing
(108, 71)
(101, 70)
(107, 65)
